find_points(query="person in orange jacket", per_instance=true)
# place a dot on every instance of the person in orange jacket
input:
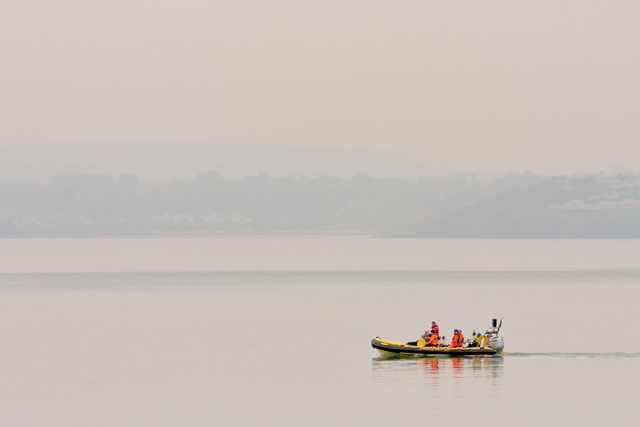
(455, 342)
(460, 338)
(432, 340)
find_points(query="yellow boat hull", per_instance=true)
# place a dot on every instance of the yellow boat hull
(390, 349)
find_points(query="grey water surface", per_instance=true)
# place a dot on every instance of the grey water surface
(290, 348)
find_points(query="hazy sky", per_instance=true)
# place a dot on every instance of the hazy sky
(546, 85)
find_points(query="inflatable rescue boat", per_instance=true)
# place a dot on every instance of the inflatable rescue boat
(491, 344)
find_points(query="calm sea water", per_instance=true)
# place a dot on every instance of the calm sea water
(290, 346)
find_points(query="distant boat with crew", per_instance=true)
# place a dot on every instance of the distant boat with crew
(490, 343)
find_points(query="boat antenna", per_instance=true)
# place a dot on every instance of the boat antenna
(499, 326)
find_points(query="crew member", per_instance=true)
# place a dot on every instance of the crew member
(432, 340)
(476, 338)
(455, 340)
(435, 329)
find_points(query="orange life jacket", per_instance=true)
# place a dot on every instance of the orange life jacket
(460, 340)
(433, 340)
(454, 340)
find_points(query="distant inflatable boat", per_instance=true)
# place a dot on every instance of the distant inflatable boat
(397, 349)
(491, 344)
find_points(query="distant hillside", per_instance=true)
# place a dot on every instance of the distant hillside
(559, 207)
(525, 205)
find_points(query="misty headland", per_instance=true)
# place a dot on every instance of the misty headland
(403, 199)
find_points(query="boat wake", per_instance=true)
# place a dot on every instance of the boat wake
(609, 355)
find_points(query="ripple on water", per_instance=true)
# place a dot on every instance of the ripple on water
(609, 355)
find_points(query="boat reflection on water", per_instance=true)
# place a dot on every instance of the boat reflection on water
(435, 368)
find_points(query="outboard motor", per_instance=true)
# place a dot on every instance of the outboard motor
(495, 341)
